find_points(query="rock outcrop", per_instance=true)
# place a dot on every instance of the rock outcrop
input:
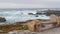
(2, 19)
(34, 25)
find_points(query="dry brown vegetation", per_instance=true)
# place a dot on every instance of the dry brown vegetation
(11, 27)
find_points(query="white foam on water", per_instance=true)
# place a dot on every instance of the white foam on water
(14, 16)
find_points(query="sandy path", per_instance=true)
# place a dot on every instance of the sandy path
(51, 31)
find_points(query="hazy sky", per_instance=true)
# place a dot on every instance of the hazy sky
(29, 3)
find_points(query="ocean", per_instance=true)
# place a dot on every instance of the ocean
(15, 15)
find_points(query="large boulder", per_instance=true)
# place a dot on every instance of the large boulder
(34, 25)
(2, 19)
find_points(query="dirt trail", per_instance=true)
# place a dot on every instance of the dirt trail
(51, 31)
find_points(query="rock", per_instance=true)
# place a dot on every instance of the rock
(30, 13)
(34, 25)
(2, 19)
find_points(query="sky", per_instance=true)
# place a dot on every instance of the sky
(29, 3)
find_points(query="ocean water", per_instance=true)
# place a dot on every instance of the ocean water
(20, 15)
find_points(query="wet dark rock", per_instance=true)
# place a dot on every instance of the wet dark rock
(2, 19)
(30, 14)
(37, 16)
